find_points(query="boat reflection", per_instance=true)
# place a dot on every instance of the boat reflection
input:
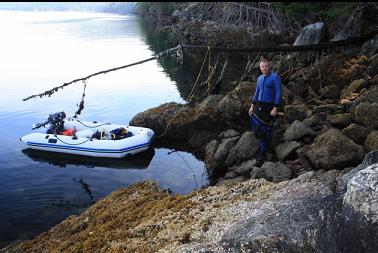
(138, 161)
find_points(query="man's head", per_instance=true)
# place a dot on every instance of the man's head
(265, 66)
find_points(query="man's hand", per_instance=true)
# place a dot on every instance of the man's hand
(250, 111)
(273, 112)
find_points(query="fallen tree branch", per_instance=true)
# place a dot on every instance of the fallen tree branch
(312, 47)
(177, 49)
(84, 79)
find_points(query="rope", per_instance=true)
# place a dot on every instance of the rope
(190, 94)
(198, 76)
(92, 126)
(56, 136)
(81, 104)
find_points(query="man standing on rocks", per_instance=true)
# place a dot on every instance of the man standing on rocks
(263, 110)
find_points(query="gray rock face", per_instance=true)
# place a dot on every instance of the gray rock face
(312, 34)
(246, 147)
(245, 168)
(224, 148)
(362, 193)
(276, 172)
(244, 91)
(297, 130)
(360, 212)
(285, 149)
(230, 106)
(333, 150)
(211, 148)
(310, 215)
(290, 221)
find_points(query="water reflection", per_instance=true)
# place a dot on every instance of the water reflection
(35, 192)
(185, 74)
(138, 161)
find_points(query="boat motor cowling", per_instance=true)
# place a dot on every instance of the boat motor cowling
(54, 119)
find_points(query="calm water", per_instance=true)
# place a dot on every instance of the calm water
(41, 50)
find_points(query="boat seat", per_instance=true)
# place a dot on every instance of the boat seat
(86, 133)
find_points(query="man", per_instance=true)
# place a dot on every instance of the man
(263, 110)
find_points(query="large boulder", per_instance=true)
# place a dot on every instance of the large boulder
(333, 150)
(230, 106)
(245, 168)
(245, 92)
(276, 172)
(233, 107)
(156, 118)
(360, 212)
(224, 148)
(299, 217)
(245, 148)
(182, 122)
(297, 130)
(312, 34)
(284, 150)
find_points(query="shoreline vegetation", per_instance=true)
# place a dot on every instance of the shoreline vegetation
(318, 189)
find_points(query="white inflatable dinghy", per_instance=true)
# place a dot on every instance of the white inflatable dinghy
(89, 138)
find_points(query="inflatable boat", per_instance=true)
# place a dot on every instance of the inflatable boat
(87, 138)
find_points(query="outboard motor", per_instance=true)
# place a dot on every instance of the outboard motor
(56, 118)
(56, 122)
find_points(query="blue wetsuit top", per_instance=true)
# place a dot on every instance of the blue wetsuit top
(268, 90)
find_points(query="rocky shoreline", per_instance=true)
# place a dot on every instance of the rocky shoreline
(307, 138)
(316, 192)
(329, 101)
(319, 211)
